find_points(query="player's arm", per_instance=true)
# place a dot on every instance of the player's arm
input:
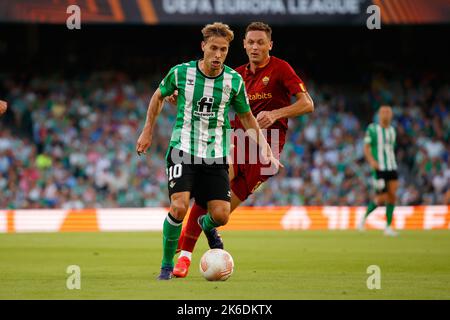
(368, 153)
(167, 87)
(248, 121)
(303, 105)
(154, 108)
(254, 131)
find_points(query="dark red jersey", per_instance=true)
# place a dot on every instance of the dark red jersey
(271, 87)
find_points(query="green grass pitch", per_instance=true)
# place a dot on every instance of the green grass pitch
(268, 265)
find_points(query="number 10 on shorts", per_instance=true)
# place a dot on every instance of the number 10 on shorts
(175, 171)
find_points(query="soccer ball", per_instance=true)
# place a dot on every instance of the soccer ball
(216, 265)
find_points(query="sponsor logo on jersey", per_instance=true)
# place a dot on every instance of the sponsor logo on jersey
(260, 96)
(204, 108)
(227, 90)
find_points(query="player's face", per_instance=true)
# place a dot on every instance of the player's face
(257, 45)
(215, 51)
(385, 115)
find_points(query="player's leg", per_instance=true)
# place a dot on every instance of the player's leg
(189, 236)
(380, 188)
(243, 184)
(216, 190)
(392, 186)
(239, 192)
(250, 177)
(244, 180)
(212, 184)
(235, 201)
(218, 215)
(171, 231)
(181, 178)
(191, 231)
(379, 200)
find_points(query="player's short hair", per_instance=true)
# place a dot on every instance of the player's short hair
(259, 26)
(217, 29)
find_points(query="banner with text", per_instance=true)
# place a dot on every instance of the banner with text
(244, 218)
(280, 12)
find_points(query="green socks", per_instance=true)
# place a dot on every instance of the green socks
(208, 223)
(171, 234)
(372, 206)
(389, 213)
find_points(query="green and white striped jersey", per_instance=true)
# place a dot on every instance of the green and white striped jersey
(382, 144)
(202, 123)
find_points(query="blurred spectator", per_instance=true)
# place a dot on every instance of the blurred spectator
(72, 145)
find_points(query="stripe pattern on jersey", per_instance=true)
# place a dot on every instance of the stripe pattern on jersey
(382, 143)
(202, 123)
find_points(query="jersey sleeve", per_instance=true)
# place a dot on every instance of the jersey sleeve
(169, 84)
(290, 80)
(368, 136)
(395, 139)
(240, 100)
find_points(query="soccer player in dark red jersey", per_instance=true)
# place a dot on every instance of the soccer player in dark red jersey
(270, 84)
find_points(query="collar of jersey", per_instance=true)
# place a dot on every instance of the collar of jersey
(198, 69)
(259, 68)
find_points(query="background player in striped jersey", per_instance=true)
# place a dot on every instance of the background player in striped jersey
(199, 146)
(270, 83)
(379, 150)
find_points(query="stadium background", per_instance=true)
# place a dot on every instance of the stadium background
(78, 98)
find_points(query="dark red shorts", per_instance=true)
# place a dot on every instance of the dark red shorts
(249, 176)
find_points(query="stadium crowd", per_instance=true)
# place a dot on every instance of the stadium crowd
(71, 144)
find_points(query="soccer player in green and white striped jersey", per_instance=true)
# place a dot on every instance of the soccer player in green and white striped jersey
(199, 146)
(379, 150)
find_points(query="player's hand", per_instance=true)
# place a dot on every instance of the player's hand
(275, 164)
(172, 99)
(265, 119)
(230, 156)
(3, 107)
(144, 142)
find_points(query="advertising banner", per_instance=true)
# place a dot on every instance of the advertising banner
(243, 218)
(276, 12)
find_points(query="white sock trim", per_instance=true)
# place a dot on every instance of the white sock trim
(175, 224)
(187, 254)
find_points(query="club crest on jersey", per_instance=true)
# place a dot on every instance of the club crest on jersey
(227, 90)
(265, 80)
(204, 108)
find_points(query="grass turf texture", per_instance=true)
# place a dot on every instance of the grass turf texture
(268, 265)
